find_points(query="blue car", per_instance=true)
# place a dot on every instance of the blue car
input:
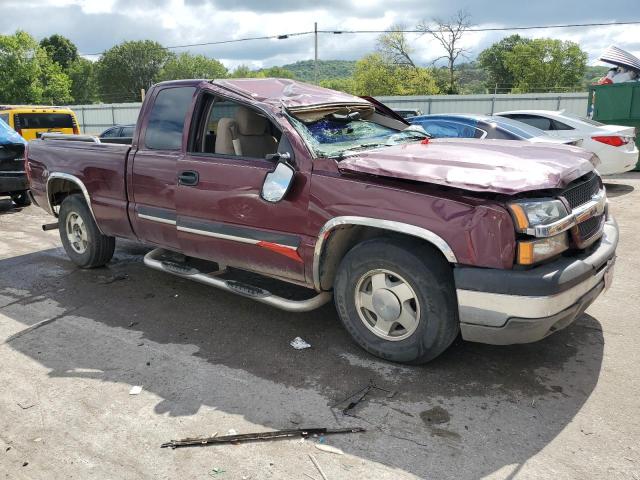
(481, 127)
(13, 179)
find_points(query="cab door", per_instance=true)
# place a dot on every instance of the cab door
(221, 215)
(153, 178)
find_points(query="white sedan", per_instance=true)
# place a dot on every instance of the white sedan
(613, 144)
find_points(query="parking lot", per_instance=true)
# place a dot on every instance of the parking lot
(75, 341)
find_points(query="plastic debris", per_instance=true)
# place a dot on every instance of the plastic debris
(299, 344)
(216, 471)
(135, 390)
(232, 431)
(317, 465)
(328, 448)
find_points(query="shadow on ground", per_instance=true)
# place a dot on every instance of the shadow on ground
(618, 189)
(475, 409)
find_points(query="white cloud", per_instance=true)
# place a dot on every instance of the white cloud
(95, 25)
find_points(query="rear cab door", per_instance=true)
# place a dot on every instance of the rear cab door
(220, 213)
(151, 175)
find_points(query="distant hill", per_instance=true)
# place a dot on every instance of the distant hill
(327, 69)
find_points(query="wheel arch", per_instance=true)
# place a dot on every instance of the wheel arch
(60, 185)
(339, 234)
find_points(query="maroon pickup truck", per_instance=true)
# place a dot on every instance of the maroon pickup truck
(416, 239)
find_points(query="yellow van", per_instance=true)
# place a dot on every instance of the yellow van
(30, 121)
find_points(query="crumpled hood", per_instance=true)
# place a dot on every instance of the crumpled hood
(500, 166)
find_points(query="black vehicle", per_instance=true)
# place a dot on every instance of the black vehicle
(13, 179)
(407, 113)
(118, 134)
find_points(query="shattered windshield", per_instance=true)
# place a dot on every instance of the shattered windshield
(330, 137)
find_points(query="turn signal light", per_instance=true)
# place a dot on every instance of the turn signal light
(534, 251)
(612, 140)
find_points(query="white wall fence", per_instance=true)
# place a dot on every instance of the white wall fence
(96, 118)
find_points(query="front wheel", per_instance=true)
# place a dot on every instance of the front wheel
(21, 199)
(396, 297)
(83, 242)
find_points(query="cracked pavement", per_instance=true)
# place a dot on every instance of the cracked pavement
(73, 342)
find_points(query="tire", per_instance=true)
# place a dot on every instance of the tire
(428, 308)
(21, 199)
(83, 242)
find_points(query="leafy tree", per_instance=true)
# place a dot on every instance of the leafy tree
(375, 76)
(125, 69)
(493, 60)
(327, 69)
(28, 75)
(342, 84)
(187, 65)
(276, 72)
(84, 86)
(243, 71)
(395, 48)
(60, 49)
(546, 64)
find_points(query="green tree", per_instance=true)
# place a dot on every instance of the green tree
(493, 60)
(127, 68)
(545, 64)
(186, 65)
(28, 75)
(60, 49)
(376, 76)
(84, 87)
(342, 84)
(243, 71)
(276, 72)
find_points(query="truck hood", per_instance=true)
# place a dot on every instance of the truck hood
(500, 166)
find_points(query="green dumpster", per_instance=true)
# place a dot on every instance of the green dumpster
(617, 104)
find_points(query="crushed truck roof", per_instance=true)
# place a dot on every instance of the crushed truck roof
(288, 93)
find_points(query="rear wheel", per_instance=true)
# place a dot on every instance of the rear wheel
(21, 199)
(396, 297)
(83, 242)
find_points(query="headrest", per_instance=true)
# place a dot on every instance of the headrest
(250, 123)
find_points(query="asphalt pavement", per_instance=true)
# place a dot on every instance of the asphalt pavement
(73, 342)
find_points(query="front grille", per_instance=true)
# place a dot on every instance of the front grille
(580, 191)
(589, 226)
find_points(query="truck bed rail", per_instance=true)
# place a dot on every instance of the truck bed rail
(70, 138)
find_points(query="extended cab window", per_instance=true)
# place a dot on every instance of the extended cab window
(231, 129)
(166, 119)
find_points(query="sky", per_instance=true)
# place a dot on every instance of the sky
(96, 25)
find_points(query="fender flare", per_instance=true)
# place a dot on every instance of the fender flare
(79, 183)
(405, 228)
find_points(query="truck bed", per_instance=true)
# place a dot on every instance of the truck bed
(100, 167)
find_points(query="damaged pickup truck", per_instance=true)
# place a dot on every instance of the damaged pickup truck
(417, 240)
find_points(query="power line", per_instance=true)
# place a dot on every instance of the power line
(340, 32)
(487, 29)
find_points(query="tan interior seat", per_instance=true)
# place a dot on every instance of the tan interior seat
(251, 132)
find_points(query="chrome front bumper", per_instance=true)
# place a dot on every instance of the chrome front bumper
(526, 306)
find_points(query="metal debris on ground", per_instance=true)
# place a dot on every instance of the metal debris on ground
(251, 437)
(299, 344)
(135, 390)
(317, 465)
(25, 405)
(113, 278)
(329, 449)
(359, 396)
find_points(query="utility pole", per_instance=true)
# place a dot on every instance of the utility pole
(315, 62)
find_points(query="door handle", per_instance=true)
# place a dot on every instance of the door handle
(189, 178)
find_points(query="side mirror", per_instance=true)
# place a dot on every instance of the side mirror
(277, 183)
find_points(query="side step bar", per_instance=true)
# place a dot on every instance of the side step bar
(240, 288)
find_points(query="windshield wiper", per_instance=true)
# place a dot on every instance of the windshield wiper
(357, 148)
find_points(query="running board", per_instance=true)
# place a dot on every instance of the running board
(256, 293)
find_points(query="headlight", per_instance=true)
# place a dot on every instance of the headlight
(528, 215)
(534, 251)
